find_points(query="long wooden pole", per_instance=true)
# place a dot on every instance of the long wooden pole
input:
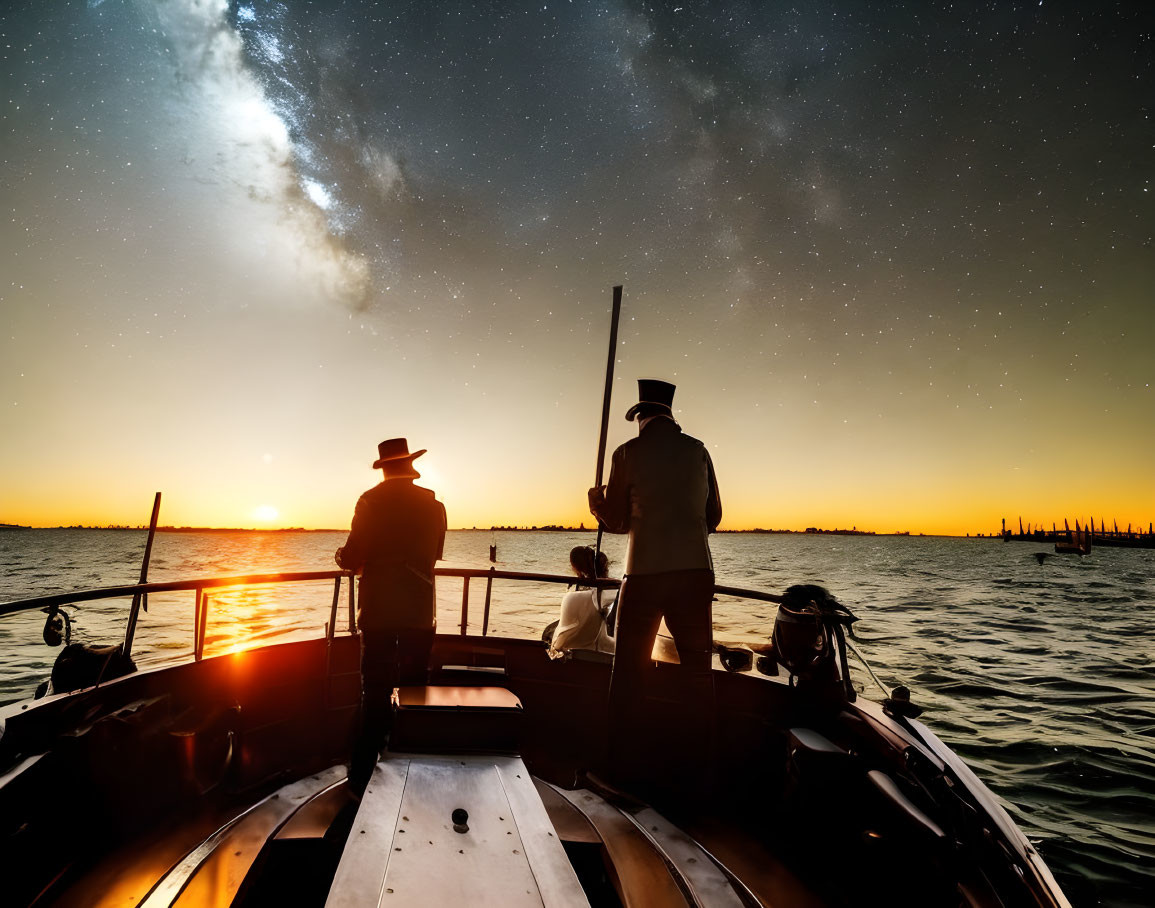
(130, 631)
(606, 404)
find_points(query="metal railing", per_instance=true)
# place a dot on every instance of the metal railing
(141, 591)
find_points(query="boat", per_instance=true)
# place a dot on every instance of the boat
(1081, 541)
(222, 779)
(1078, 543)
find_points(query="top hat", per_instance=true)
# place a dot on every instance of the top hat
(392, 451)
(653, 392)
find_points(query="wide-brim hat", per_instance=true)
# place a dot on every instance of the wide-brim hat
(653, 392)
(393, 450)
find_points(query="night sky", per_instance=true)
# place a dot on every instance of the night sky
(897, 258)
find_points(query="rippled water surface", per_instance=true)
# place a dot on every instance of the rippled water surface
(1042, 677)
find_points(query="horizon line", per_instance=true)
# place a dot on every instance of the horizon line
(528, 528)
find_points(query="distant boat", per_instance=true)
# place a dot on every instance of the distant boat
(1080, 544)
(1099, 537)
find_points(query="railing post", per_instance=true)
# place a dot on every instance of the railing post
(488, 591)
(201, 629)
(330, 630)
(333, 611)
(197, 606)
(352, 606)
(464, 605)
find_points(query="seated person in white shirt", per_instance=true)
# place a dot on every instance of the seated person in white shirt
(582, 624)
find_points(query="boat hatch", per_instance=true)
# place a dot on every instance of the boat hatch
(453, 830)
(441, 718)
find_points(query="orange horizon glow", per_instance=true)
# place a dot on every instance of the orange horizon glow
(969, 520)
(865, 494)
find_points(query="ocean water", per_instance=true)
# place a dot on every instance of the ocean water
(1042, 677)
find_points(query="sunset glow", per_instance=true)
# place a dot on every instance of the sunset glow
(266, 513)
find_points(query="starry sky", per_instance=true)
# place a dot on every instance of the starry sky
(896, 256)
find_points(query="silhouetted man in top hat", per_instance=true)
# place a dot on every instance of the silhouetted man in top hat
(663, 492)
(397, 536)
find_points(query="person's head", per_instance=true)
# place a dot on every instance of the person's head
(655, 398)
(584, 563)
(395, 461)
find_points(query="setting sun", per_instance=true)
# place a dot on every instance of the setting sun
(266, 513)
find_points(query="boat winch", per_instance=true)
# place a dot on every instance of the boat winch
(79, 664)
(810, 624)
(57, 626)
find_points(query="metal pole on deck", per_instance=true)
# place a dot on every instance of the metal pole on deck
(138, 598)
(617, 309)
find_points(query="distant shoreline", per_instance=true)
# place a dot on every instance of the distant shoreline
(553, 528)
(139, 529)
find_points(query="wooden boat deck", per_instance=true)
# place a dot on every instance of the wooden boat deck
(411, 845)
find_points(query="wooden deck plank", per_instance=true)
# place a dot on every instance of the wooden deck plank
(432, 864)
(360, 876)
(406, 850)
(213, 872)
(570, 823)
(708, 882)
(314, 819)
(643, 878)
(756, 865)
(556, 880)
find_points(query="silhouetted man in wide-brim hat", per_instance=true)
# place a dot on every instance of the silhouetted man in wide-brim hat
(663, 492)
(397, 536)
